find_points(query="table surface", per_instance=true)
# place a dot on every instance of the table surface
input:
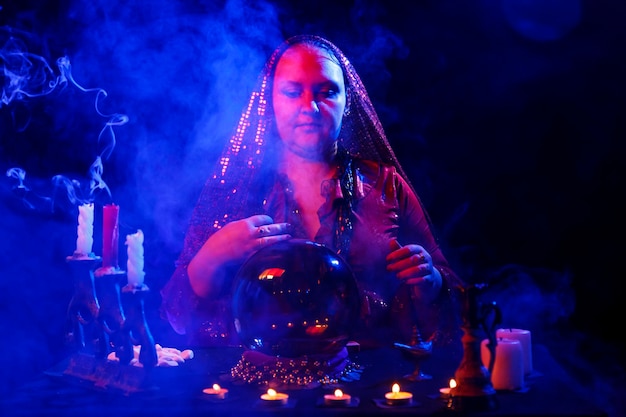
(549, 390)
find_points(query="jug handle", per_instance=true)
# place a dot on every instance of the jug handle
(491, 317)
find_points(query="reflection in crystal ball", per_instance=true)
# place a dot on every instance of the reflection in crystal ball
(295, 298)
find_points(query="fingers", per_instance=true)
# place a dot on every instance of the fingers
(266, 241)
(263, 226)
(273, 229)
(265, 232)
(418, 271)
(407, 257)
(411, 263)
(399, 252)
(260, 220)
(394, 244)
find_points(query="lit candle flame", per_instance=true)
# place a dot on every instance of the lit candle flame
(216, 387)
(452, 383)
(271, 392)
(338, 393)
(395, 388)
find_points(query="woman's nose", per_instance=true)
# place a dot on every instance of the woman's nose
(310, 104)
(314, 107)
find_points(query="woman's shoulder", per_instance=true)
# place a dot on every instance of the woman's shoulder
(371, 171)
(372, 175)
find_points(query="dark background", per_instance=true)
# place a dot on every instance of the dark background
(507, 115)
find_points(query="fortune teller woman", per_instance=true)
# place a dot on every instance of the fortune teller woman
(309, 159)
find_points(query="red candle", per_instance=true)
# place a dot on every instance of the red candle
(110, 235)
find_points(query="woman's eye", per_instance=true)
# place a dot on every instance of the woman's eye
(327, 93)
(292, 93)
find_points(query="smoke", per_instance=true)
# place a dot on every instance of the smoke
(182, 74)
(25, 74)
(531, 297)
(125, 102)
(171, 81)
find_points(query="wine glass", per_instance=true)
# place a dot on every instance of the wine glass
(416, 351)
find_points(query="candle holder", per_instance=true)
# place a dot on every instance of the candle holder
(103, 318)
(418, 350)
(82, 329)
(111, 314)
(474, 391)
(136, 324)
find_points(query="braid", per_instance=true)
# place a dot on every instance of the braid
(344, 225)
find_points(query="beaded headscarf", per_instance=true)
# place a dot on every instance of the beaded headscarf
(233, 191)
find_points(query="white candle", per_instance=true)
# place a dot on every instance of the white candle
(525, 339)
(84, 239)
(134, 264)
(216, 392)
(397, 397)
(508, 368)
(271, 397)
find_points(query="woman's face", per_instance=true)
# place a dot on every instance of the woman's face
(309, 99)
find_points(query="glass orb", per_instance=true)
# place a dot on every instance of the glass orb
(295, 298)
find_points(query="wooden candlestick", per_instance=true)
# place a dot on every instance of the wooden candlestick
(474, 391)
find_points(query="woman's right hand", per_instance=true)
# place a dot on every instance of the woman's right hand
(241, 238)
(234, 242)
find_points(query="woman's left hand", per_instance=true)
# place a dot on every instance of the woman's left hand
(414, 266)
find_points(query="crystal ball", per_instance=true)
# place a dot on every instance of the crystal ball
(295, 298)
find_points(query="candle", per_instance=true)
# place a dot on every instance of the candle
(525, 339)
(134, 264)
(84, 239)
(216, 392)
(445, 392)
(110, 235)
(337, 398)
(508, 368)
(397, 397)
(274, 398)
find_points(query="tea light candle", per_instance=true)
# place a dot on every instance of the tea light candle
(445, 392)
(337, 398)
(271, 397)
(216, 392)
(508, 368)
(524, 337)
(397, 397)
(84, 239)
(134, 264)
